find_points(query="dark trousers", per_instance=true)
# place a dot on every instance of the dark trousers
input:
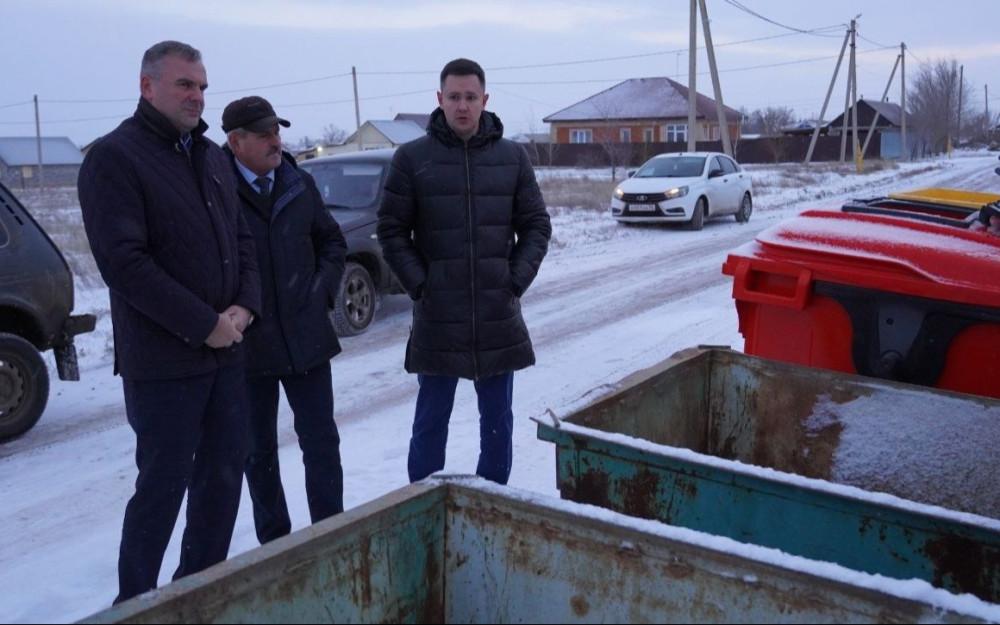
(310, 396)
(190, 437)
(430, 426)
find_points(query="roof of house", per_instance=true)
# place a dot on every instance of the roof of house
(640, 98)
(20, 151)
(397, 132)
(531, 137)
(420, 119)
(890, 114)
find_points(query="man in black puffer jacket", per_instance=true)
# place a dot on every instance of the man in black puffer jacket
(300, 250)
(464, 227)
(166, 229)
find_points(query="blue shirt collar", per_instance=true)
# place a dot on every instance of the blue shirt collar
(251, 177)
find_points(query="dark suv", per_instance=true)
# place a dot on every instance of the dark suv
(36, 299)
(351, 186)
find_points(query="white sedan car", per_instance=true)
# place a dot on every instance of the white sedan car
(686, 187)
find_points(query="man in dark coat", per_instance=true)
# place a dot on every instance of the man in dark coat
(300, 250)
(464, 227)
(165, 225)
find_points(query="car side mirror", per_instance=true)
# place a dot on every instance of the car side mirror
(715, 173)
(997, 170)
(630, 172)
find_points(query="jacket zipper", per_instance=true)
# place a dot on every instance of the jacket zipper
(472, 264)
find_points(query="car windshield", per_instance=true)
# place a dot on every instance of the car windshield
(672, 167)
(348, 185)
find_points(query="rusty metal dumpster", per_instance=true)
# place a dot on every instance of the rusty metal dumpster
(785, 456)
(460, 550)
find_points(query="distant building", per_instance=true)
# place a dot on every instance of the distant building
(889, 126)
(640, 110)
(373, 135)
(420, 119)
(61, 160)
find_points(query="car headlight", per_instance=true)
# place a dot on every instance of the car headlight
(676, 192)
(619, 193)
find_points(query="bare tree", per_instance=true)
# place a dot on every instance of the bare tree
(608, 136)
(933, 104)
(333, 135)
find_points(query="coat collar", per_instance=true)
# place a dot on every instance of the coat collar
(148, 116)
(490, 130)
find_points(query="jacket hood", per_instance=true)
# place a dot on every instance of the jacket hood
(490, 129)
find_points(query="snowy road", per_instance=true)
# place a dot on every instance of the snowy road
(609, 300)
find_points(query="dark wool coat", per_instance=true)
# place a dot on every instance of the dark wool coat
(464, 228)
(300, 252)
(168, 234)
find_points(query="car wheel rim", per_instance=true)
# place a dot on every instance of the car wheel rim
(11, 388)
(358, 301)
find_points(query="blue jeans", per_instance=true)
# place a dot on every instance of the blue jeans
(430, 426)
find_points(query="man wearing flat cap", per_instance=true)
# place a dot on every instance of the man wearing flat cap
(301, 252)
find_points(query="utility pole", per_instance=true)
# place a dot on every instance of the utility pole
(902, 96)
(847, 98)
(885, 96)
(357, 106)
(38, 142)
(829, 92)
(961, 88)
(692, 74)
(855, 140)
(719, 106)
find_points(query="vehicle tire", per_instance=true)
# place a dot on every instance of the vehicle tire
(354, 309)
(746, 208)
(698, 218)
(24, 386)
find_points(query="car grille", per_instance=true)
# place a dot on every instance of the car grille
(643, 198)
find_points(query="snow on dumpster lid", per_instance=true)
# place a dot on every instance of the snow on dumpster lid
(888, 254)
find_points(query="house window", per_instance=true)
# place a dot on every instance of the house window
(647, 135)
(578, 135)
(625, 134)
(675, 132)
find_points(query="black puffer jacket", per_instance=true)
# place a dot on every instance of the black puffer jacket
(168, 235)
(464, 228)
(300, 251)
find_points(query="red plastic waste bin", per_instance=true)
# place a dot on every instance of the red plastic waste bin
(888, 297)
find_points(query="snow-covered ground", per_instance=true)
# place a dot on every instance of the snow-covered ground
(609, 300)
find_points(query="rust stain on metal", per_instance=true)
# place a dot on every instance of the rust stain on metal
(580, 605)
(433, 606)
(795, 433)
(678, 569)
(640, 494)
(964, 565)
(593, 488)
(365, 570)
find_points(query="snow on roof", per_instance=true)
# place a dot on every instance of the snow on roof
(398, 131)
(19, 151)
(420, 119)
(888, 110)
(640, 98)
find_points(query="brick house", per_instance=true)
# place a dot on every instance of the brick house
(639, 110)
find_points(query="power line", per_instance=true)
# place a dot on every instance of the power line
(13, 104)
(746, 9)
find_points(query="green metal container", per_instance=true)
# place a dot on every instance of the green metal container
(461, 550)
(876, 476)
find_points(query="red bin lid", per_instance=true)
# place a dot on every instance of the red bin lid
(883, 253)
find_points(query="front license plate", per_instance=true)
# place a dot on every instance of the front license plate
(644, 208)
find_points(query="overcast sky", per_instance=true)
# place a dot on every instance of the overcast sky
(82, 57)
